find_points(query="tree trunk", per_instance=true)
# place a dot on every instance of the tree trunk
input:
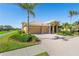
(70, 19)
(28, 21)
(70, 23)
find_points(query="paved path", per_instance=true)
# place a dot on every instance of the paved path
(53, 47)
(29, 51)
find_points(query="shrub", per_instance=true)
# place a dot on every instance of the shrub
(19, 37)
(21, 32)
(68, 33)
(24, 37)
(34, 38)
(65, 33)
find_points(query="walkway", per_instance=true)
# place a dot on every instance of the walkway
(29, 51)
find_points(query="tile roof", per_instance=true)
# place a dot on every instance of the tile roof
(41, 23)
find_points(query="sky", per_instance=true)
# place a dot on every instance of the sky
(12, 14)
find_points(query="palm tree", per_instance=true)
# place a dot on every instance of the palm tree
(29, 8)
(71, 14)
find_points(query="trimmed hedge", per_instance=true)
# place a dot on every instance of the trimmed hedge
(24, 37)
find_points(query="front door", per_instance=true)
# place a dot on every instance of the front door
(55, 29)
(51, 30)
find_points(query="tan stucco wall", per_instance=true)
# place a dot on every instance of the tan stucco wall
(25, 29)
(38, 29)
(45, 29)
(35, 29)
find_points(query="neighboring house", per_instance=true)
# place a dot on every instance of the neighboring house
(41, 28)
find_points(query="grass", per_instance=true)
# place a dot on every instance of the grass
(10, 44)
(3, 32)
(42, 54)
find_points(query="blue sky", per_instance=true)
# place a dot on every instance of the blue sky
(12, 14)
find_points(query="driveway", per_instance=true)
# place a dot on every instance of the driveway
(53, 47)
(60, 47)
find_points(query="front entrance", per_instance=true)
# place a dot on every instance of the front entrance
(53, 29)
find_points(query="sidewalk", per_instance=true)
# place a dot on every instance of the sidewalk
(28, 51)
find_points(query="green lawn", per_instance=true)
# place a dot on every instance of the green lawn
(10, 44)
(42, 54)
(2, 32)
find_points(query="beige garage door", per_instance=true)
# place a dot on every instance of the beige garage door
(45, 29)
(39, 29)
(35, 29)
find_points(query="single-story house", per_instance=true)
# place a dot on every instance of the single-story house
(41, 27)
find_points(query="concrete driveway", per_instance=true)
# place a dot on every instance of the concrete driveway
(60, 47)
(53, 47)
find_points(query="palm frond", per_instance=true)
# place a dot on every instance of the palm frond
(32, 13)
(33, 5)
(24, 6)
(73, 12)
(70, 13)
